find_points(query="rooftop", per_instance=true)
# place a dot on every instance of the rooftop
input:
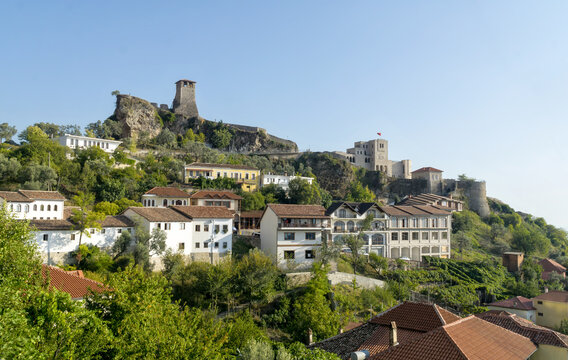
(405, 210)
(46, 225)
(215, 194)
(357, 207)
(180, 80)
(90, 138)
(551, 265)
(293, 210)
(159, 214)
(220, 166)
(426, 199)
(517, 302)
(30, 195)
(205, 212)
(70, 282)
(554, 295)
(427, 169)
(167, 192)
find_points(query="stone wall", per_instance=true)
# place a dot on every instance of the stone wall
(335, 278)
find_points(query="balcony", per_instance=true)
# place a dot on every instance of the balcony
(303, 224)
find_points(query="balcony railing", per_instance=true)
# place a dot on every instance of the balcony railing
(318, 225)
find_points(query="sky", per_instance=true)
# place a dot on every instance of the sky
(468, 87)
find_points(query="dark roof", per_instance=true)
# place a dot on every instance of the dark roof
(180, 80)
(517, 302)
(153, 214)
(204, 212)
(469, 338)
(538, 334)
(165, 191)
(551, 265)
(426, 199)
(553, 295)
(224, 166)
(427, 169)
(412, 319)
(30, 195)
(293, 210)
(70, 282)
(117, 221)
(357, 207)
(406, 210)
(47, 225)
(251, 214)
(215, 194)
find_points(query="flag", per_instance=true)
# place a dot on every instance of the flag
(379, 134)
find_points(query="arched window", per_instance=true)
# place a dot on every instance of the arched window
(41, 208)
(178, 202)
(35, 207)
(27, 208)
(350, 226)
(48, 207)
(19, 208)
(54, 207)
(165, 202)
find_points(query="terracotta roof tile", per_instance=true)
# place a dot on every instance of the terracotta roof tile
(42, 195)
(117, 221)
(167, 192)
(554, 295)
(14, 196)
(517, 302)
(205, 212)
(415, 316)
(221, 166)
(538, 334)
(159, 214)
(346, 343)
(427, 169)
(78, 287)
(251, 214)
(469, 338)
(551, 265)
(292, 210)
(215, 194)
(47, 225)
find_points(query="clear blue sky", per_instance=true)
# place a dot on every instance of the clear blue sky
(474, 87)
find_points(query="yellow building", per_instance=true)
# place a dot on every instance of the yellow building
(247, 176)
(551, 308)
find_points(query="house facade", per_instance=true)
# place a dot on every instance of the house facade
(294, 232)
(517, 305)
(164, 197)
(34, 204)
(551, 308)
(282, 181)
(84, 142)
(246, 176)
(228, 199)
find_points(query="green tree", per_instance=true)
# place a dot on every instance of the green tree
(7, 131)
(274, 194)
(302, 192)
(379, 263)
(84, 217)
(221, 138)
(107, 208)
(166, 138)
(252, 201)
(360, 193)
(256, 276)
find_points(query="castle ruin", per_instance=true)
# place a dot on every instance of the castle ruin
(184, 101)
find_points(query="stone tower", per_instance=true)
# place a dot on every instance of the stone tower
(184, 101)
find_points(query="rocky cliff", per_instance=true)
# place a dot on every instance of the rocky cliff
(136, 115)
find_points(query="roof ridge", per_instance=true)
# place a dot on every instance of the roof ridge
(438, 313)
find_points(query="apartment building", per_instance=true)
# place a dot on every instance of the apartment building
(551, 308)
(34, 204)
(84, 142)
(228, 199)
(246, 176)
(282, 181)
(164, 197)
(293, 232)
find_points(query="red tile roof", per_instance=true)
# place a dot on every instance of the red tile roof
(538, 334)
(416, 316)
(551, 265)
(14, 196)
(42, 195)
(220, 166)
(167, 192)
(427, 169)
(205, 212)
(292, 210)
(215, 194)
(117, 221)
(159, 214)
(554, 295)
(251, 214)
(47, 225)
(78, 287)
(517, 302)
(469, 338)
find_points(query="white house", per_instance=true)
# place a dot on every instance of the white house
(282, 181)
(293, 232)
(212, 231)
(347, 218)
(57, 238)
(83, 142)
(165, 196)
(34, 204)
(225, 198)
(518, 305)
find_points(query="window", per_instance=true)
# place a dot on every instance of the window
(225, 228)
(197, 228)
(92, 231)
(216, 245)
(404, 222)
(394, 236)
(444, 222)
(11, 207)
(414, 222)
(27, 208)
(35, 207)
(48, 207)
(205, 245)
(72, 236)
(342, 213)
(539, 302)
(394, 222)
(182, 226)
(120, 231)
(216, 229)
(224, 245)
(424, 236)
(310, 236)
(165, 202)
(19, 208)
(197, 245)
(289, 236)
(159, 225)
(310, 254)
(167, 226)
(45, 237)
(540, 314)
(414, 236)
(41, 208)
(289, 254)
(425, 222)
(205, 228)
(404, 236)
(444, 236)
(444, 249)
(434, 236)
(181, 246)
(103, 231)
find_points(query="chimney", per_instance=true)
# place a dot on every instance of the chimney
(393, 338)
(310, 337)
(360, 355)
